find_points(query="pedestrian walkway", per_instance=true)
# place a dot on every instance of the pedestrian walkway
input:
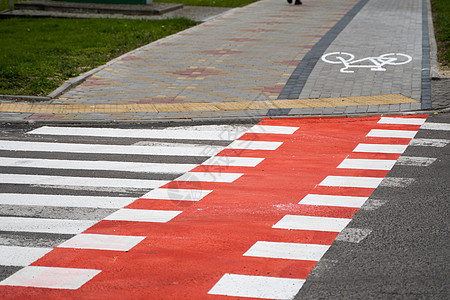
(266, 59)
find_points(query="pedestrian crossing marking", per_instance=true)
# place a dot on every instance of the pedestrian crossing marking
(143, 215)
(102, 242)
(312, 223)
(50, 277)
(61, 226)
(20, 256)
(287, 250)
(264, 287)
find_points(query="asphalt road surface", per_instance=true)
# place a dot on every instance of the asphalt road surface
(405, 254)
(63, 189)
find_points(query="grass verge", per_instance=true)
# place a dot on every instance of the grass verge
(441, 21)
(217, 3)
(38, 55)
(4, 4)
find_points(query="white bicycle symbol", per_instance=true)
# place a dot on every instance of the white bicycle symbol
(374, 63)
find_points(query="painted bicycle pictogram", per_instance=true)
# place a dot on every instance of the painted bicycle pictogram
(373, 63)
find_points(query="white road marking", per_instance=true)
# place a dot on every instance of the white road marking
(397, 182)
(287, 250)
(367, 164)
(429, 142)
(80, 181)
(254, 145)
(102, 242)
(157, 149)
(169, 133)
(350, 181)
(163, 168)
(21, 256)
(373, 204)
(380, 148)
(312, 223)
(272, 129)
(50, 277)
(209, 177)
(392, 133)
(262, 287)
(353, 235)
(64, 200)
(44, 225)
(415, 161)
(331, 200)
(402, 121)
(228, 161)
(177, 194)
(143, 215)
(436, 126)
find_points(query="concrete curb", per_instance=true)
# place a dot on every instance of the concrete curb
(433, 45)
(207, 120)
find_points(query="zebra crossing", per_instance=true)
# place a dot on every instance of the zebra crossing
(65, 189)
(55, 182)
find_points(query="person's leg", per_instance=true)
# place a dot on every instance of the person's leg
(289, 1)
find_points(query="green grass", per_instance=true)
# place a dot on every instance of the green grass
(217, 3)
(4, 4)
(37, 55)
(441, 18)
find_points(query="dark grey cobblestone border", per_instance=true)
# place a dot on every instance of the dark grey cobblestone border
(426, 60)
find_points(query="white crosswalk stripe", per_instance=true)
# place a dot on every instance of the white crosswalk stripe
(57, 182)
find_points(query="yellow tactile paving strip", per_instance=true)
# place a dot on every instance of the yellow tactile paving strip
(191, 107)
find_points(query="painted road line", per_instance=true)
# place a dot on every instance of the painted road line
(21, 256)
(64, 200)
(163, 168)
(170, 133)
(353, 235)
(287, 250)
(380, 148)
(80, 181)
(272, 129)
(402, 121)
(367, 164)
(331, 200)
(157, 149)
(44, 225)
(228, 161)
(415, 161)
(429, 142)
(262, 287)
(177, 194)
(436, 126)
(392, 133)
(312, 223)
(102, 242)
(254, 145)
(209, 177)
(143, 215)
(350, 181)
(397, 182)
(50, 277)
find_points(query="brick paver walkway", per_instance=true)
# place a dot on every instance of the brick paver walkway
(261, 60)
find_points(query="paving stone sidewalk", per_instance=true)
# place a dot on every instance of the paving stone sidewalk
(262, 60)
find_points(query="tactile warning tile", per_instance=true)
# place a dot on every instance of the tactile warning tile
(220, 106)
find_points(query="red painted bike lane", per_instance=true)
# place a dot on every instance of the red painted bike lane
(247, 231)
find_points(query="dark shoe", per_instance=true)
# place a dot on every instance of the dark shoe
(298, 2)
(289, 1)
